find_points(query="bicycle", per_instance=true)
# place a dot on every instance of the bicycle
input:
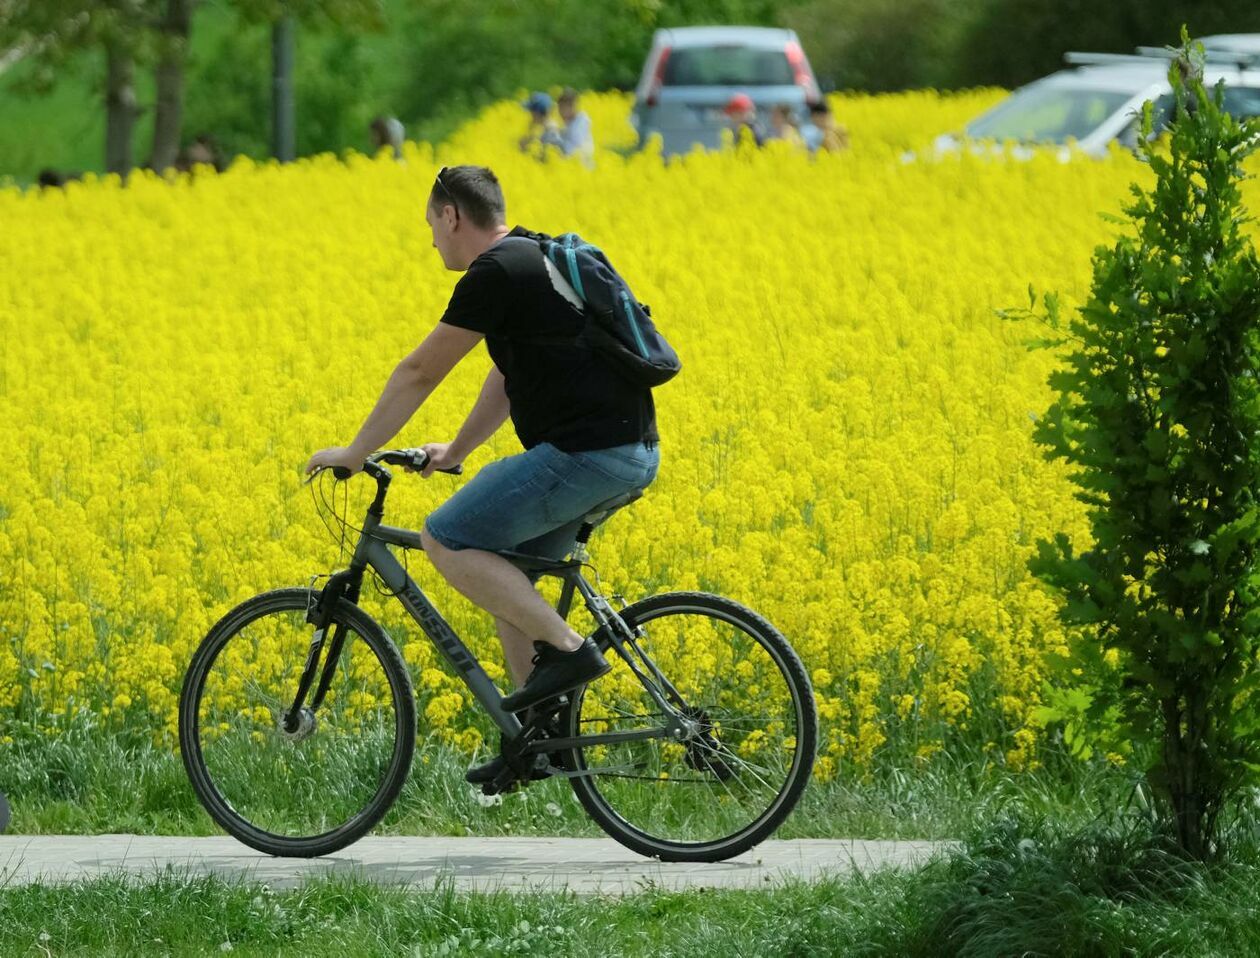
(697, 766)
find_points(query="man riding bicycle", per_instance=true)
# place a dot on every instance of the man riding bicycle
(589, 434)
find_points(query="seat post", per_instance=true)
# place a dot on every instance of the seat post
(597, 515)
(579, 552)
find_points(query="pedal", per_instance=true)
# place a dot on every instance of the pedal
(504, 784)
(535, 768)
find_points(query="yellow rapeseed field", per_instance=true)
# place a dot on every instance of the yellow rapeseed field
(847, 449)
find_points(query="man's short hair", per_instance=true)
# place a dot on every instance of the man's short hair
(474, 191)
(568, 97)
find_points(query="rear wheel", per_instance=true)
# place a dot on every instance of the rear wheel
(312, 784)
(750, 745)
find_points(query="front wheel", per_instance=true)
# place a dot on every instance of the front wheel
(301, 784)
(752, 730)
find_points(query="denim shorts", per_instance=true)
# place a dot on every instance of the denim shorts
(534, 502)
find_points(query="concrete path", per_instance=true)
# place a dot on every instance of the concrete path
(474, 864)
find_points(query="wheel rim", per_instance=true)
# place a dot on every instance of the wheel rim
(742, 752)
(303, 779)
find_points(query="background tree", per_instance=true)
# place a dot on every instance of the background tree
(55, 31)
(173, 28)
(283, 16)
(1159, 414)
(1011, 42)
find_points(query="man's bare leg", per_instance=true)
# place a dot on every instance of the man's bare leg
(518, 650)
(494, 584)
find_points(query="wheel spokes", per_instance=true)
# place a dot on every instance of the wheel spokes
(731, 768)
(300, 782)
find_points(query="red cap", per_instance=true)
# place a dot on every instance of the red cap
(739, 103)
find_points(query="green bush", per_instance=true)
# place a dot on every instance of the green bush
(1158, 414)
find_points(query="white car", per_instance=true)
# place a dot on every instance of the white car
(1098, 101)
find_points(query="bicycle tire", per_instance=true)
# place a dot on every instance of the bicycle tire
(588, 787)
(210, 796)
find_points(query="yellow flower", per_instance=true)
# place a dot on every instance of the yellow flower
(847, 450)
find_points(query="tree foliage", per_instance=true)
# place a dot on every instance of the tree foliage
(1159, 416)
(54, 31)
(1011, 42)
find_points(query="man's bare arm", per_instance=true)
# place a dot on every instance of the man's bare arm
(487, 415)
(414, 378)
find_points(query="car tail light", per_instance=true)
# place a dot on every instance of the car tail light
(804, 77)
(658, 77)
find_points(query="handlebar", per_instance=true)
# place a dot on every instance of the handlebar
(411, 458)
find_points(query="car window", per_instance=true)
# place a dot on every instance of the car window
(1242, 101)
(728, 66)
(1048, 114)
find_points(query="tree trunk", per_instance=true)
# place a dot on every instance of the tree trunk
(282, 112)
(120, 108)
(1193, 796)
(169, 77)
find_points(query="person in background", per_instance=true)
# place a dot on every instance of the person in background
(52, 179)
(542, 129)
(783, 126)
(387, 131)
(822, 132)
(741, 113)
(576, 138)
(203, 150)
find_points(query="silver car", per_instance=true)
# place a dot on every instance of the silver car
(1097, 102)
(691, 73)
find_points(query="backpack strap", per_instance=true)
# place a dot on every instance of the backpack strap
(527, 265)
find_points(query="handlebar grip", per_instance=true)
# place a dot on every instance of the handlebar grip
(412, 458)
(417, 459)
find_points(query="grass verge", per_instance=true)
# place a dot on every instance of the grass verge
(1018, 886)
(86, 781)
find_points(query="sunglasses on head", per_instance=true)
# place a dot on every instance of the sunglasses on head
(447, 191)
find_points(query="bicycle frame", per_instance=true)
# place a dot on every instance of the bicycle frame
(372, 550)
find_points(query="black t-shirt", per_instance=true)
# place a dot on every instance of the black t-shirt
(560, 392)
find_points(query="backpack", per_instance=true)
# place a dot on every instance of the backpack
(618, 327)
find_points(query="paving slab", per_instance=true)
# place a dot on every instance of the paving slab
(583, 865)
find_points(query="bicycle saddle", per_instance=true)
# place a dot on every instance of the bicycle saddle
(609, 506)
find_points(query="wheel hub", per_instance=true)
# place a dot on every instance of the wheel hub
(296, 730)
(704, 752)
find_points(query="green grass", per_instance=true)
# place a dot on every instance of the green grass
(1060, 861)
(85, 780)
(1017, 887)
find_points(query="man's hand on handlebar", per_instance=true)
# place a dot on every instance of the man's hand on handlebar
(439, 458)
(334, 457)
(435, 457)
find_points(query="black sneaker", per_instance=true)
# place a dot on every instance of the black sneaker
(556, 672)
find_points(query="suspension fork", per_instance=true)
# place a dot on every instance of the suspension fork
(344, 584)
